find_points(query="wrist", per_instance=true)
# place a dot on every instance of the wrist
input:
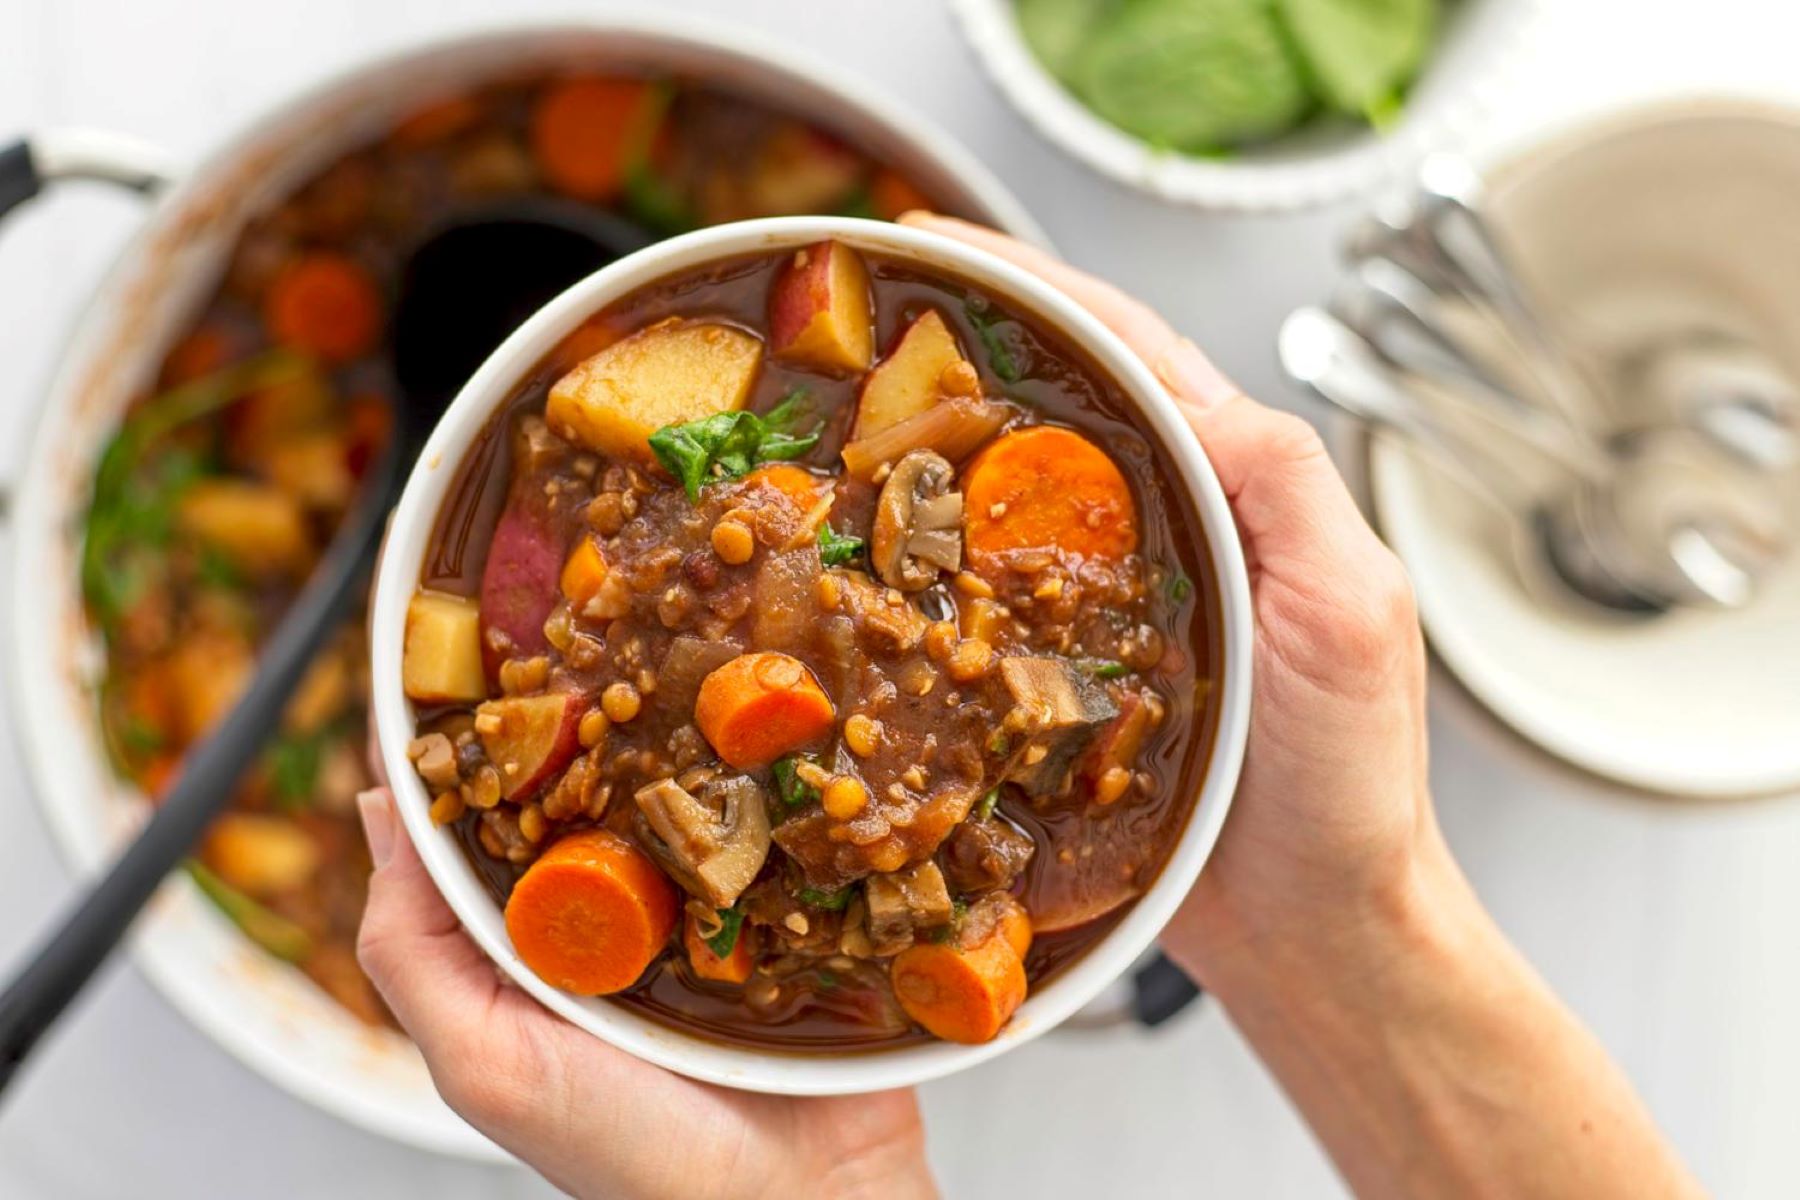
(1415, 921)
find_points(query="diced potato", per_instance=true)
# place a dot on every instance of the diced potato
(583, 573)
(323, 692)
(672, 372)
(259, 854)
(258, 425)
(530, 738)
(909, 380)
(207, 672)
(314, 469)
(820, 311)
(441, 662)
(261, 530)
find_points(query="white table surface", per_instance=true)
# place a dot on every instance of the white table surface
(1670, 930)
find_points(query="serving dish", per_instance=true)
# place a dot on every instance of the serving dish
(1697, 703)
(260, 1009)
(1467, 75)
(676, 1048)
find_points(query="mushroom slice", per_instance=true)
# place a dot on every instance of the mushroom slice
(1060, 712)
(918, 523)
(902, 903)
(717, 839)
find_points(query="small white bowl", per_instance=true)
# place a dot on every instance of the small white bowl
(692, 1055)
(1466, 76)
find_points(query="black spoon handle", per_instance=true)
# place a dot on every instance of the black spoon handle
(68, 957)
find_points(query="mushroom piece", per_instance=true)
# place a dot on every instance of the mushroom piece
(1060, 711)
(918, 523)
(902, 903)
(716, 841)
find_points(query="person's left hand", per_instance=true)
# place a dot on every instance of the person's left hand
(592, 1119)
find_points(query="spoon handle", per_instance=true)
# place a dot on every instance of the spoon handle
(72, 951)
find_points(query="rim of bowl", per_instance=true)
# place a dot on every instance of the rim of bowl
(41, 505)
(691, 1054)
(1344, 163)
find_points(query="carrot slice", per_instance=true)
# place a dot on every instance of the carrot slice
(582, 131)
(591, 913)
(1015, 927)
(200, 353)
(325, 304)
(960, 995)
(733, 968)
(796, 483)
(892, 193)
(759, 706)
(1046, 488)
(583, 573)
(438, 121)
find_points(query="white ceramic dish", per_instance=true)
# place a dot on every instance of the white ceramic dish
(1466, 77)
(1670, 217)
(695, 1056)
(268, 1014)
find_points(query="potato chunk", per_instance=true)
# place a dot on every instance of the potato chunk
(259, 854)
(261, 530)
(441, 662)
(909, 380)
(670, 373)
(820, 312)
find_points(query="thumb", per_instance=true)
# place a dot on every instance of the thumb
(411, 945)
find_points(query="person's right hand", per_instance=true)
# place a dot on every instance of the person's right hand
(1332, 822)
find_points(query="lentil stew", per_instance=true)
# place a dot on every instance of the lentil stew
(813, 653)
(226, 480)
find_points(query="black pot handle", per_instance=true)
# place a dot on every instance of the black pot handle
(29, 164)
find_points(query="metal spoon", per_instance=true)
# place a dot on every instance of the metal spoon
(1663, 528)
(465, 287)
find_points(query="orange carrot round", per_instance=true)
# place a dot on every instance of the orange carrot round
(200, 353)
(438, 121)
(759, 706)
(892, 193)
(591, 913)
(796, 483)
(956, 994)
(1042, 488)
(325, 304)
(1015, 927)
(733, 968)
(582, 130)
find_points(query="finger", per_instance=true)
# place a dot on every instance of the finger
(411, 945)
(1285, 491)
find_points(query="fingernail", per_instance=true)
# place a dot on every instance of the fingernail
(378, 824)
(1186, 371)
(916, 216)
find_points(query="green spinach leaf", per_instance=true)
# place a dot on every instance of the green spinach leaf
(836, 549)
(727, 445)
(731, 921)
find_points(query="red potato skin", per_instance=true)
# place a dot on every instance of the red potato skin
(819, 309)
(520, 584)
(545, 745)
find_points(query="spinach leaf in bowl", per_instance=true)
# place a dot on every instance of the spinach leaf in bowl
(1194, 75)
(1361, 53)
(1056, 30)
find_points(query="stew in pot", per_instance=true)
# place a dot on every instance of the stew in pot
(220, 489)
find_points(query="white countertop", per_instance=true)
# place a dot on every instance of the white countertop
(1669, 929)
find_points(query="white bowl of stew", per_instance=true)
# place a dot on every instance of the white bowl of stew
(399, 140)
(754, 802)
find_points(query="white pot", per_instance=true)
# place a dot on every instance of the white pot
(266, 1013)
(410, 533)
